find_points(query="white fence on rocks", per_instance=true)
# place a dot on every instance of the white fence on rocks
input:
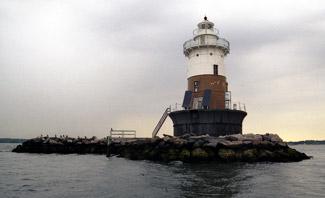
(122, 133)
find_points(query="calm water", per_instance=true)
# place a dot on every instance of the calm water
(39, 175)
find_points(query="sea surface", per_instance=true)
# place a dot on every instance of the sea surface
(43, 175)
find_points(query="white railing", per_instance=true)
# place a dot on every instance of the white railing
(222, 43)
(122, 133)
(197, 30)
(238, 106)
(176, 107)
(231, 106)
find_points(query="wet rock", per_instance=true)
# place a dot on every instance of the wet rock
(249, 155)
(238, 137)
(211, 144)
(231, 138)
(198, 143)
(264, 155)
(235, 144)
(272, 138)
(227, 154)
(184, 155)
(169, 155)
(252, 137)
(199, 154)
(62, 145)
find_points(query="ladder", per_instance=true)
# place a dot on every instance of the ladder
(161, 122)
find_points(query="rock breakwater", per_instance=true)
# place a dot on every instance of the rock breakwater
(63, 145)
(186, 148)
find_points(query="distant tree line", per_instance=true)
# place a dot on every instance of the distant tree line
(313, 142)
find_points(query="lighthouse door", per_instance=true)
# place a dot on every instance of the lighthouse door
(215, 69)
(197, 103)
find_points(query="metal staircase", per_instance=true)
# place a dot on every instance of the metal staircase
(161, 122)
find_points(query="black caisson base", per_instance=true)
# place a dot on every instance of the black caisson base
(213, 122)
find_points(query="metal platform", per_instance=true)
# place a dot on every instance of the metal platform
(213, 122)
(191, 44)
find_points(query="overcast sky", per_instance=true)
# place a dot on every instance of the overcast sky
(81, 67)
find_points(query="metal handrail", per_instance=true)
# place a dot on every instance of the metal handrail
(161, 122)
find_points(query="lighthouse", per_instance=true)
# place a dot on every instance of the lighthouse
(205, 54)
(207, 105)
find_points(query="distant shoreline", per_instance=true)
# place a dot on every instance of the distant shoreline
(12, 140)
(308, 142)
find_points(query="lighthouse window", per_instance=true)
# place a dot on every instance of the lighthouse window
(196, 86)
(215, 69)
(202, 40)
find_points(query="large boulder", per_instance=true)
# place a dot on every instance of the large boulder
(226, 154)
(252, 137)
(199, 154)
(272, 138)
(184, 155)
(249, 155)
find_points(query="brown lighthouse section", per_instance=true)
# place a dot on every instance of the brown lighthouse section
(207, 105)
(216, 83)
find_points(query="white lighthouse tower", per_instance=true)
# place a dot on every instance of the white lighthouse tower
(206, 103)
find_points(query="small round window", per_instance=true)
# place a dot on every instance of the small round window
(197, 54)
(211, 54)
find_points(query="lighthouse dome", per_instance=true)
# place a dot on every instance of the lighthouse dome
(206, 36)
(205, 28)
(205, 24)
